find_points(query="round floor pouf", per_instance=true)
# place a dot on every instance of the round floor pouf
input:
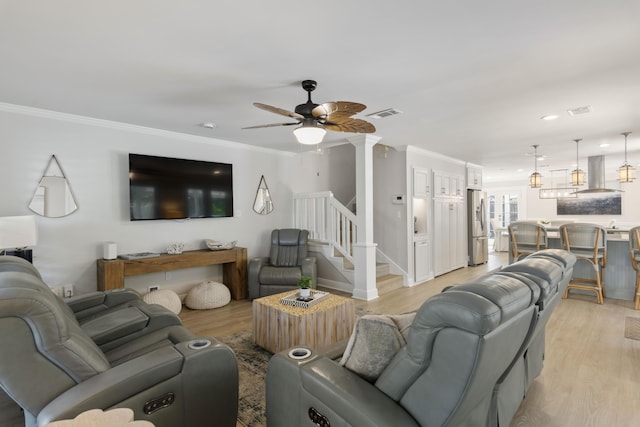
(166, 298)
(207, 295)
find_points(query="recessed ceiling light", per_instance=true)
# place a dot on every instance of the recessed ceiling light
(549, 117)
(208, 125)
(520, 170)
(604, 145)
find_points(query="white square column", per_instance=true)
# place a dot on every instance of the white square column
(364, 250)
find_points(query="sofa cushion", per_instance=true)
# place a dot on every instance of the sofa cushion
(279, 275)
(545, 268)
(374, 342)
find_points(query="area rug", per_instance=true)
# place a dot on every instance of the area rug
(252, 367)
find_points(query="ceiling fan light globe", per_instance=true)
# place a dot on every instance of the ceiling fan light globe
(309, 135)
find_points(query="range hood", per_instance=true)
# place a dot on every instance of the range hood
(595, 177)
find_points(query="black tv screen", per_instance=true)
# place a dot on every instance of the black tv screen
(168, 188)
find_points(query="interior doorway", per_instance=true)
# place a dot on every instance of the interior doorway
(505, 207)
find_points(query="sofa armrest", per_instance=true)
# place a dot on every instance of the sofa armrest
(317, 386)
(253, 276)
(108, 388)
(201, 373)
(95, 302)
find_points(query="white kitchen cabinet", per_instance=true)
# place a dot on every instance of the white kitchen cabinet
(474, 178)
(421, 183)
(449, 235)
(448, 185)
(457, 186)
(421, 261)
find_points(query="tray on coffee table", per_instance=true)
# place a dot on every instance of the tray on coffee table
(292, 299)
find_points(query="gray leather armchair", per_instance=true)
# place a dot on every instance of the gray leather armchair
(54, 370)
(288, 260)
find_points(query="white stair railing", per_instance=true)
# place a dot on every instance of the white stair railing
(327, 220)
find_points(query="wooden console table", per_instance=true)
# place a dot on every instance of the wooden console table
(111, 273)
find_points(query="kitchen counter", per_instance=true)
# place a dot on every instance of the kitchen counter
(619, 275)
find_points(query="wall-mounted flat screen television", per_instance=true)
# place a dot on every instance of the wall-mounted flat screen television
(168, 188)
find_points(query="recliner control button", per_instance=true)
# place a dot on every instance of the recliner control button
(154, 405)
(318, 419)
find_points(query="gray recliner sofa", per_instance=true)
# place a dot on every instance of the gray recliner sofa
(54, 369)
(467, 359)
(288, 260)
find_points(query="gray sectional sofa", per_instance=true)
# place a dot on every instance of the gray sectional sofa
(105, 350)
(470, 355)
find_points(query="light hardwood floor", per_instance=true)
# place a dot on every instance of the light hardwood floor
(591, 375)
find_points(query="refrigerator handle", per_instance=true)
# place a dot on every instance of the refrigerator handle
(482, 215)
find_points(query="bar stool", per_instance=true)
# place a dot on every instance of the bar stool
(526, 238)
(634, 249)
(588, 242)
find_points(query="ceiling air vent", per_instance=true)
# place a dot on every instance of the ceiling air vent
(384, 113)
(580, 110)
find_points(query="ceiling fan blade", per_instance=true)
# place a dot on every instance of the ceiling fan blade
(338, 108)
(280, 111)
(271, 125)
(349, 125)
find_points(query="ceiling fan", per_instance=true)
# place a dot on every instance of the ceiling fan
(316, 119)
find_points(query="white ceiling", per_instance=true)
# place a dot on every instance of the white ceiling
(472, 78)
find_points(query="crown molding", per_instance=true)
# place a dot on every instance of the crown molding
(109, 124)
(433, 154)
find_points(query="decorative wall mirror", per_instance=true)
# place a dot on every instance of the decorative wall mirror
(263, 204)
(53, 197)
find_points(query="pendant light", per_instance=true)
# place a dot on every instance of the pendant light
(625, 172)
(577, 175)
(535, 180)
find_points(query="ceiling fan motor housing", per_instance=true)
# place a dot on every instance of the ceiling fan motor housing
(306, 108)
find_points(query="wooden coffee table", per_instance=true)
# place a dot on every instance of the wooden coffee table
(277, 327)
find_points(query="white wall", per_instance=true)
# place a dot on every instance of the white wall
(390, 220)
(537, 208)
(94, 157)
(332, 169)
(393, 175)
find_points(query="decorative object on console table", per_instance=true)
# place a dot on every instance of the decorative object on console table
(16, 233)
(110, 250)
(175, 249)
(111, 273)
(216, 245)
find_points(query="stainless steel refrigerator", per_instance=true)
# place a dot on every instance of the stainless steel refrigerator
(478, 227)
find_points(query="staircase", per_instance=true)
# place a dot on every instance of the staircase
(385, 281)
